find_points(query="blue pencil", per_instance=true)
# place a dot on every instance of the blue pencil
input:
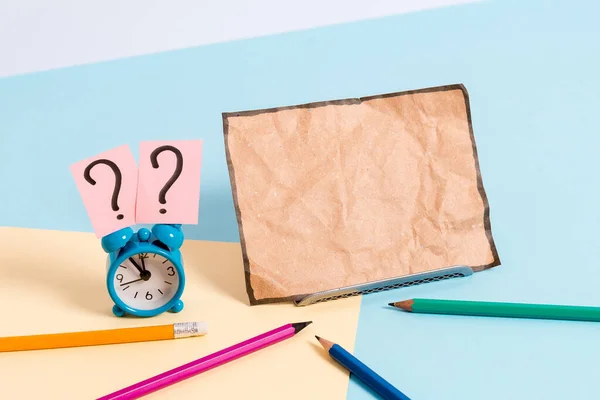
(362, 372)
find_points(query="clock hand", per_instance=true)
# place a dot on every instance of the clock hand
(136, 265)
(127, 283)
(143, 264)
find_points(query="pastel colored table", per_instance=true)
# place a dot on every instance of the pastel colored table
(531, 69)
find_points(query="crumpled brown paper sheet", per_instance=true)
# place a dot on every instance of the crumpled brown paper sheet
(345, 192)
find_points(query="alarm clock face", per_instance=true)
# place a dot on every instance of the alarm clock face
(146, 281)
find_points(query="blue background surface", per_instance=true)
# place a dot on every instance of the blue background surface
(531, 72)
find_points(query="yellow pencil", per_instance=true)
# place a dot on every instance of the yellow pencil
(103, 337)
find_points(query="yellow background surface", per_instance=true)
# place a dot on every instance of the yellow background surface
(53, 281)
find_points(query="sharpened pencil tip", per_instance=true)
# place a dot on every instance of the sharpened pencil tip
(324, 342)
(298, 326)
(405, 305)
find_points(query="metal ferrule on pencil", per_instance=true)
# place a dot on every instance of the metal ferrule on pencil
(188, 329)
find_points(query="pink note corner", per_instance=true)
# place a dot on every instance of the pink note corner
(107, 184)
(169, 182)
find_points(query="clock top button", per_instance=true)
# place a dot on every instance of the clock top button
(143, 235)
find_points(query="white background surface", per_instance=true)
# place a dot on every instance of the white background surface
(37, 35)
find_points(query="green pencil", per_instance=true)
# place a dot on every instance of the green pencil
(506, 310)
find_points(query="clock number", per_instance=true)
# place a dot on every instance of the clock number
(143, 255)
(171, 271)
(120, 278)
(148, 296)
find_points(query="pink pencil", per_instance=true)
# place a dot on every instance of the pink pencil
(205, 363)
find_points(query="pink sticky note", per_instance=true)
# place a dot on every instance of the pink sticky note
(107, 184)
(169, 182)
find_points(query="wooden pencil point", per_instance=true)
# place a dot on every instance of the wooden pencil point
(405, 305)
(325, 343)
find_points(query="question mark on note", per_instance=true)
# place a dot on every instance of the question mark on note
(117, 187)
(154, 160)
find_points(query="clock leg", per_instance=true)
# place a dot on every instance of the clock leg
(177, 307)
(117, 311)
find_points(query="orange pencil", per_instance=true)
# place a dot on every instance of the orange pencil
(103, 337)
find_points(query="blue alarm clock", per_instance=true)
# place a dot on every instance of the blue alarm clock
(145, 275)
